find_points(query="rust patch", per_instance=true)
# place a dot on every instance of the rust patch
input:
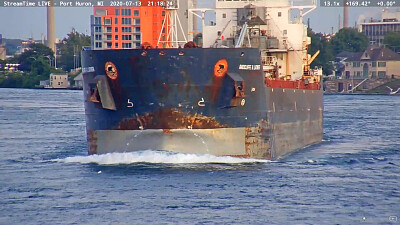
(94, 95)
(92, 142)
(169, 119)
(257, 143)
(240, 156)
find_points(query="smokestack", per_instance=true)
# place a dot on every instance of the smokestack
(51, 30)
(42, 39)
(345, 15)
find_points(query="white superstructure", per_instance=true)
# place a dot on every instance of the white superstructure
(270, 25)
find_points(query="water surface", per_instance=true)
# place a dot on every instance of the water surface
(46, 177)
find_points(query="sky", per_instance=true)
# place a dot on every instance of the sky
(22, 23)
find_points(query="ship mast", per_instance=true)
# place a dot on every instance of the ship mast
(171, 26)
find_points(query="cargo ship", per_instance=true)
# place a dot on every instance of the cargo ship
(246, 91)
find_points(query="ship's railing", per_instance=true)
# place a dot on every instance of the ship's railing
(298, 84)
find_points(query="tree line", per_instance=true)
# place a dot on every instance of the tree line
(346, 39)
(39, 61)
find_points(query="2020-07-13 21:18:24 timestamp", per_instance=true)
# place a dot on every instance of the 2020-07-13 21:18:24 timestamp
(151, 3)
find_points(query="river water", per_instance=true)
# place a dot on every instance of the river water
(46, 177)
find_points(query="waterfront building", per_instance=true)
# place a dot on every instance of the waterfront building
(365, 72)
(44, 83)
(373, 63)
(376, 30)
(78, 81)
(126, 27)
(59, 80)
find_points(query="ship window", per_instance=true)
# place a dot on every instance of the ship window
(108, 29)
(138, 37)
(115, 20)
(109, 37)
(136, 12)
(116, 37)
(116, 29)
(117, 12)
(373, 74)
(137, 21)
(279, 14)
(107, 21)
(163, 13)
(137, 29)
(373, 64)
(109, 44)
(116, 45)
(97, 37)
(381, 74)
(223, 15)
(97, 29)
(284, 32)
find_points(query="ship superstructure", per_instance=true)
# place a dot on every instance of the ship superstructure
(248, 91)
(275, 27)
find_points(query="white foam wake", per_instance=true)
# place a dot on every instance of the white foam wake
(155, 157)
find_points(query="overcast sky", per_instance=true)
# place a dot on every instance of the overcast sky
(26, 22)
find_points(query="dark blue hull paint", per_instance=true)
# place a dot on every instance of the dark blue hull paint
(177, 89)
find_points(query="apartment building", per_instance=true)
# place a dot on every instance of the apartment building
(126, 27)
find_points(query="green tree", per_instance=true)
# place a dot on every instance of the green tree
(41, 68)
(348, 39)
(35, 64)
(37, 52)
(13, 80)
(70, 50)
(325, 57)
(392, 41)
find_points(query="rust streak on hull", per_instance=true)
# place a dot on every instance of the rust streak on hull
(169, 119)
(92, 141)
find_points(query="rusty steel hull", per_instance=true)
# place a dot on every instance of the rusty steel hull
(186, 100)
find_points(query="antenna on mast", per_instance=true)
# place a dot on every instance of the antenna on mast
(171, 26)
